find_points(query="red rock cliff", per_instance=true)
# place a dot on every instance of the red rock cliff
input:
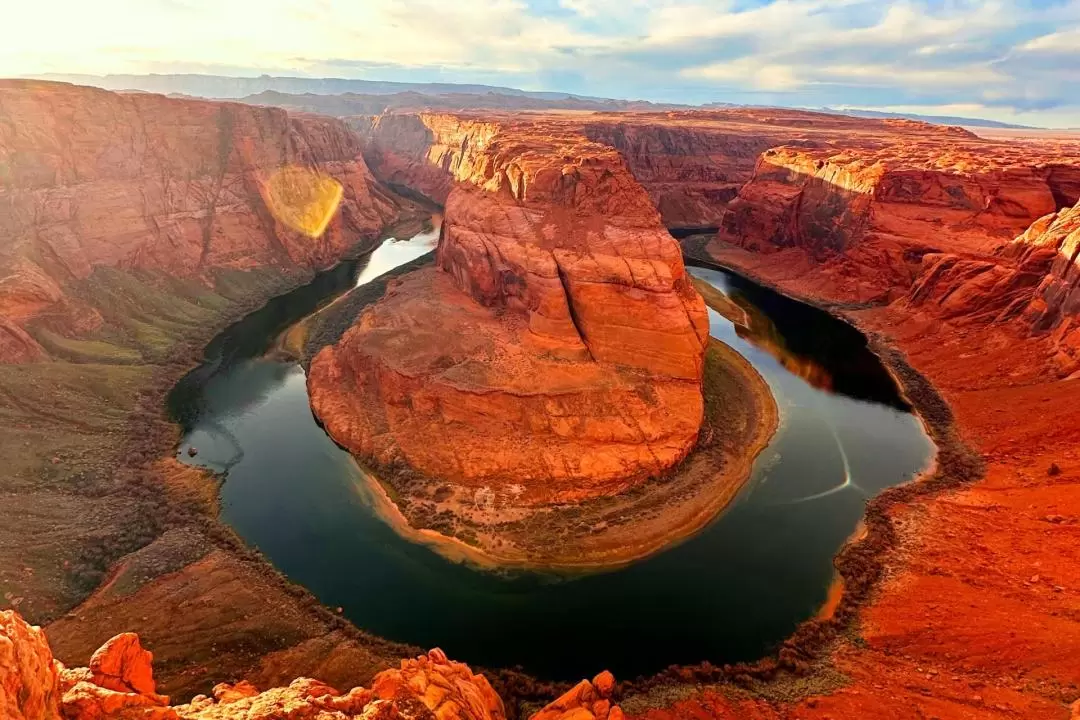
(92, 179)
(694, 163)
(866, 212)
(691, 170)
(1032, 285)
(560, 346)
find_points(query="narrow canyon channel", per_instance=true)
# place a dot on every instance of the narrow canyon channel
(731, 592)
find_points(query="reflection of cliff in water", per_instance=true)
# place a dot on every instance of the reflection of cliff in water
(825, 352)
(754, 326)
(763, 333)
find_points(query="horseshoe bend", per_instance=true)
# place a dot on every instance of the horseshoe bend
(555, 352)
(696, 349)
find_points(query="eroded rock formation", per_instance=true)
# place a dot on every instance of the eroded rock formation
(868, 212)
(558, 346)
(119, 685)
(1055, 241)
(133, 227)
(29, 680)
(93, 180)
(970, 287)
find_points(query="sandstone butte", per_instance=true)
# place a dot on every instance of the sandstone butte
(956, 252)
(555, 353)
(119, 685)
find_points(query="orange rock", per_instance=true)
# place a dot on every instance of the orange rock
(29, 679)
(31, 682)
(604, 684)
(561, 347)
(448, 689)
(874, 208)
(225, 693)
(1055, 306)
(121, 664)
(585, 701)
(70, 677)
(143, 182)
(87, 701)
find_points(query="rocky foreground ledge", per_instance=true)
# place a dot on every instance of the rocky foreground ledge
(119, 685)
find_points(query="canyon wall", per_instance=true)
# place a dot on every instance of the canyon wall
(133, 228)
(694, 163)
(91, 179)
(558, 348)
(873, 216)
(691, 172)
(956, 257)
(121, 213)
(1031, 284)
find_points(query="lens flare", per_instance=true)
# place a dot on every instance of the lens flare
(303, 199)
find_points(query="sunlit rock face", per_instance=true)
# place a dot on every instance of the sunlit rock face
(868, 211)
(940, 223)
(1057, 300)
(1034, 283)
(29, 678)
(91, 179)
(119, 685)
(558, 346)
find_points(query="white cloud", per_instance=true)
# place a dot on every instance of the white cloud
(1001, 53)
(889, 75)
(1066, 41)
(746, 72)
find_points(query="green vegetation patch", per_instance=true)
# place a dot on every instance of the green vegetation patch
(79, 350)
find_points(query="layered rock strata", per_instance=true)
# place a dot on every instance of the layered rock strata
(556, 351)
(91, 179)
(975, 564)
(869, 212)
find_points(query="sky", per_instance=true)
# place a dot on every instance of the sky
(1011, 60)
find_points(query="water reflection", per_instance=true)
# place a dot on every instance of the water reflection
(398, 251)
(754, 326)
(809, 343)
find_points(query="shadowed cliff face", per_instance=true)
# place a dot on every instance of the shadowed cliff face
(91, 180)
(690, 172)
(559, 341)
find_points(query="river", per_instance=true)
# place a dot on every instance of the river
(731, 592)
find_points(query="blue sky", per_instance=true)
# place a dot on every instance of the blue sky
(1014, 60)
